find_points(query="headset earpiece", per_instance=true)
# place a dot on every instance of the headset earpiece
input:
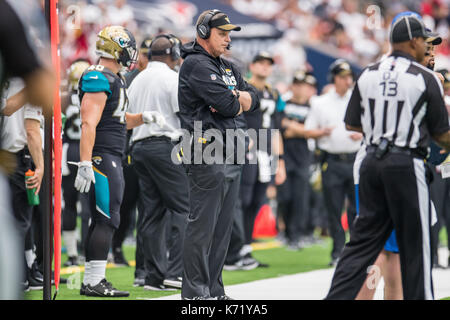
(203, 28)
(174, 51)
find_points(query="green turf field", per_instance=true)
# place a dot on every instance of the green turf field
(281, 262)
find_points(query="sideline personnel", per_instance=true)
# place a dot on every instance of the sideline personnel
(398, 105)
(338, 148)
(163, 185)
(213, 92)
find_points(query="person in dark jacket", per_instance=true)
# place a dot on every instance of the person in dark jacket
(211, 95)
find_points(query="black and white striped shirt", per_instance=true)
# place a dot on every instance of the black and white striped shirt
(400, 100)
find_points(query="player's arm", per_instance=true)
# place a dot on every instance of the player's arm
(278, 151)
(133, 120)
(15, 103)
(293, 129)
(34, 142)
(92, 107)
(39, 89)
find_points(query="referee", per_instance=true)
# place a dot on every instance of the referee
(398, 105)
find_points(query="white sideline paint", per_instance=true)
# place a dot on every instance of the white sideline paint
(314, 285)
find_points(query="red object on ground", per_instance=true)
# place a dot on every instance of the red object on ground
(265, 223)
(344, 221)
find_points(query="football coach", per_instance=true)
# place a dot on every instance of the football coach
(212, 93)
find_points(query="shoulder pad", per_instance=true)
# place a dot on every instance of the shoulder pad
(95, 81)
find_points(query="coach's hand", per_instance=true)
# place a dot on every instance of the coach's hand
(85, 176)
(153, 117)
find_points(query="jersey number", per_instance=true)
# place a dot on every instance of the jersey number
(122, 106)
(98, 67)
(389, 84)
(267, 107)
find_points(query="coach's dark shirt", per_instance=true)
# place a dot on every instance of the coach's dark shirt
(206, 82)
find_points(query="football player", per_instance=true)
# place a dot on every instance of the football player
(104, 124)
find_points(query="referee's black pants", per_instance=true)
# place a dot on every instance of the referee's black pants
(337, 184)
(213, 193)
(394, 193)
(163, 188)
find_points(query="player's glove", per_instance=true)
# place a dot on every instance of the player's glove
(153, 117)
(85, 176)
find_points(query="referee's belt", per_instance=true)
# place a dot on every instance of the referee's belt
(339, 156)
(398, 150)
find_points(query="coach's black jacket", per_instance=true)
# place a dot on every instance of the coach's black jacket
(205, 82)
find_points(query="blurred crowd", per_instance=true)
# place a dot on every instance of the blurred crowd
(355, 30)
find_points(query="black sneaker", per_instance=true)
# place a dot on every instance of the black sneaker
(36, 272)
(71, 262)
(242, 264)
(139, 282)
(119, 259)
(172, 283)
(35, 279)
(159, 287)
(25, 286)
(105, 289)
(224, 297)
(198, 298)
(249, 258)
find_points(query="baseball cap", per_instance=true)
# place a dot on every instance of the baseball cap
(145, 45)
(340, 67)
(434, 38)
(223, 23)
(302, 76)
(263, 55)
(406, 27)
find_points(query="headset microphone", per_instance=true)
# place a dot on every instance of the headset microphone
(229, 46)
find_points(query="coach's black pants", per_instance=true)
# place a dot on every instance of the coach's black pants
(213, 193)
(394, 193)
(163, 188)
(337, 184)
